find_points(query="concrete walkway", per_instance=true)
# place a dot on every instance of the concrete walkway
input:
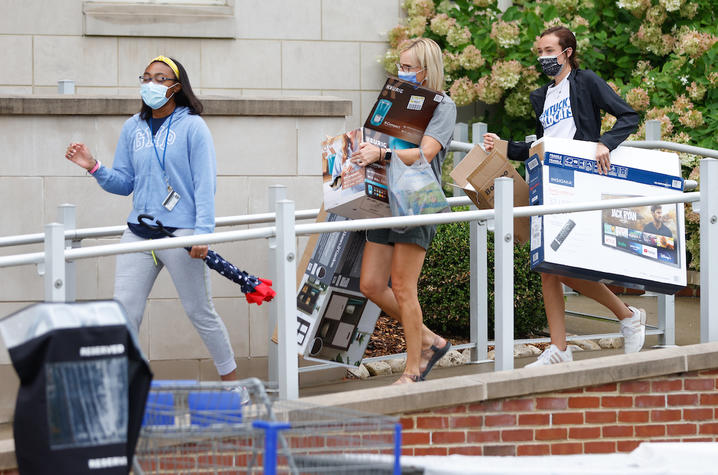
(687, 333)
(687, 317)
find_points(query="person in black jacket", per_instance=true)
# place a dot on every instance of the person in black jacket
(570, 107)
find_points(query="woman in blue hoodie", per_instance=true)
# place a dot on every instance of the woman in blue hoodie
(165, 157)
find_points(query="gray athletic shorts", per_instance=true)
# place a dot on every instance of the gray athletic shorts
(420, 235)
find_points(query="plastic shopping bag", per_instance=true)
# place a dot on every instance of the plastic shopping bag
(413, 189)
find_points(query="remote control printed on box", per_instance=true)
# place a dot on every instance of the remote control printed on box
(561, 237)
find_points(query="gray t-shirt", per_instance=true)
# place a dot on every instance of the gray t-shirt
(441, 128)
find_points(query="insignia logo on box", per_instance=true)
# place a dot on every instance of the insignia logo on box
(560, 176)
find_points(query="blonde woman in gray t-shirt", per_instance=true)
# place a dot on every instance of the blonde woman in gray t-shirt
(400, 255)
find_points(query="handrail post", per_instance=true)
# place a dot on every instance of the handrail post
(666, 303)
(478, 129)
(504, 273)
(286, 270)
(67, 215)
(478, 311)
(709, 250)
(461, 134)
(478, 267)
(666, 319)
(55, 276)
(276, 193)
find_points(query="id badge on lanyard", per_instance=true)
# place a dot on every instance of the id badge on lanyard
(172, 197)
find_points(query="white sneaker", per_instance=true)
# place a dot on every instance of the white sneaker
(634, 330)
(552, 355)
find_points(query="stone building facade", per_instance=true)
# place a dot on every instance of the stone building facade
(281, 75)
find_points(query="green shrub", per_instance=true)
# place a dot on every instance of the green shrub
(444, 291)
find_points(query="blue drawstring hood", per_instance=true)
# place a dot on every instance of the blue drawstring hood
(190, 164)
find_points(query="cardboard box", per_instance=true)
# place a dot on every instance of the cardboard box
(621, 246)
(353, 191)
(475, 175)
(334, 319)
(403, 110)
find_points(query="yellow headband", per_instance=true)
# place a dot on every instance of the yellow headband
(168, 62)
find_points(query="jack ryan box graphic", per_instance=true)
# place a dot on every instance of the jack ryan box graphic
(399, 117)
(647, 231)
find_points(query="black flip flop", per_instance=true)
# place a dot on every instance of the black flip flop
(438, 354)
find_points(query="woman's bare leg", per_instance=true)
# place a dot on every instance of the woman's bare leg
(406, 265)
(374, 283)
(556, 307)
(601, 294)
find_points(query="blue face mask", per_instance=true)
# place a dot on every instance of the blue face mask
(408, 77)
(154, 95)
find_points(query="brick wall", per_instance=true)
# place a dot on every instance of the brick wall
(599, 419)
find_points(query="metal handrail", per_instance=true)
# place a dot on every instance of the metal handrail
(112, 231)
(652, 144)
(676, 147)
(336, 226)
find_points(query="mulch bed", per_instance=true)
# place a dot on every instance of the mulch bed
(388, 338)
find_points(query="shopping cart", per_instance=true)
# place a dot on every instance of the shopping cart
(192, 428)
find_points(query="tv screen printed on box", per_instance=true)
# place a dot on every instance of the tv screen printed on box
(650, 231)
(341, 317)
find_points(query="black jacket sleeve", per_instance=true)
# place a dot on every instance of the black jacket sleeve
(520, 150)
(605, 98)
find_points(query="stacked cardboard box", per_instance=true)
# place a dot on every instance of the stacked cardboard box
(334, 319)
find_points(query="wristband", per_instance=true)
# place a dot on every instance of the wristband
(94, 169)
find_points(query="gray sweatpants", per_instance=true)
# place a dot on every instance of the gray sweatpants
(135, 275)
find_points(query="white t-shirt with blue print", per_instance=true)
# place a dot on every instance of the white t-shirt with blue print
(557, 118)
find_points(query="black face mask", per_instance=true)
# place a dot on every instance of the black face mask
(550, 64)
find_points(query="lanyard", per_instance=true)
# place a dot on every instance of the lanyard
(164, 152)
